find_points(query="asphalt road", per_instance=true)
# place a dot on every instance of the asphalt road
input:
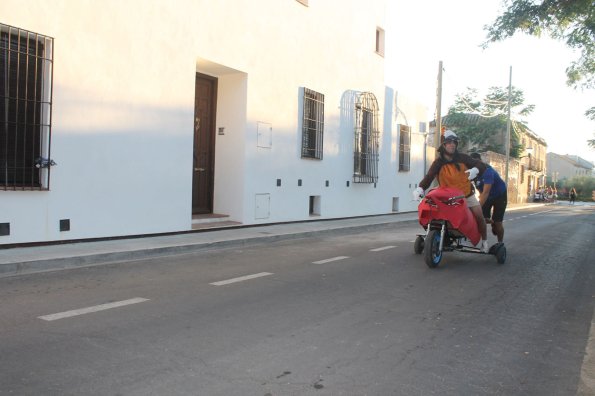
(347, 314)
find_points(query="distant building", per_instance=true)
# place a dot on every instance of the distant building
(533, 166)
(567, 166)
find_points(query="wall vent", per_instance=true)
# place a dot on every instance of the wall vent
(65, 225)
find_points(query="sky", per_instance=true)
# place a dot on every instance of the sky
(424, 32)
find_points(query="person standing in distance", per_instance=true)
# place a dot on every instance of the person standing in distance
(454, 169)
(572, 195)
(493, 195)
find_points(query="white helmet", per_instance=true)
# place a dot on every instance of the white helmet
(450, 136)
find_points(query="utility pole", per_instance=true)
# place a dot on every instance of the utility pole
(508, 124)
(438, 131)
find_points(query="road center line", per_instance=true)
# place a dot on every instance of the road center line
(240, 279)
(382, 248)
(330, 259)
(96, 308)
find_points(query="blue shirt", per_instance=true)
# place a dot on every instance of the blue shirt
(490, 176)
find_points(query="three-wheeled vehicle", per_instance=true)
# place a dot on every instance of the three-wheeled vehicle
(448, 222)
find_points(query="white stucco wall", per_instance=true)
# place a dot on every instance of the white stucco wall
(123, 108)
(121, 121)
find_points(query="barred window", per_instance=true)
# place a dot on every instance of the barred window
(25, 108)
(522, 173)
(312, 124)
(365, 155)
(404, 148)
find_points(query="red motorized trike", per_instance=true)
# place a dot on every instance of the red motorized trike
(448, 222)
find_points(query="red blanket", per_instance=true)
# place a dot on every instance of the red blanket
(445, 203)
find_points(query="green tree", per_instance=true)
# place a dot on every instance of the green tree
(481, 124)
(572, 21)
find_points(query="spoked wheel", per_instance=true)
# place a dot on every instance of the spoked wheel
(418, 247)
(432, 252)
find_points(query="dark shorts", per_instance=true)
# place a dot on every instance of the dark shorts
(499, 205)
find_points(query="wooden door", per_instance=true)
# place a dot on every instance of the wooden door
(204, 144)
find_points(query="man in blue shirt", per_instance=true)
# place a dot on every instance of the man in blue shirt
(492, 195)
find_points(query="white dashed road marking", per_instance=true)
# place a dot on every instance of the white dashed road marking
(382, 248)
(330, 259)
(240, 279)
(95, 308)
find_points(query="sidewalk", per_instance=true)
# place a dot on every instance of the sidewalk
(24, 260)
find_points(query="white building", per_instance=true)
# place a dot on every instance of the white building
(567, 166)
(264, 111)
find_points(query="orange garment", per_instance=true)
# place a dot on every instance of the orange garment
(450, 176)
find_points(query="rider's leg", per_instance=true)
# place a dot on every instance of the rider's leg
(498, 230)
(481, 222)
(486, 208)
(473, 205)
(498, 216)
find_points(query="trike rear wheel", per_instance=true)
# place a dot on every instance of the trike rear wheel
(418, 246)
(501, 254)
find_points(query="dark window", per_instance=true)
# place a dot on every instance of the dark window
(522, 173)
(404, 148)
(365, 154)
(312, 124)
(25, 108)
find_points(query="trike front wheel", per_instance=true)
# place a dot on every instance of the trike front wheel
(432, 252)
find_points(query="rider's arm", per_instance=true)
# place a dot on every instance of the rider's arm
(432, 172)
(488, 182)
(483, 197)
(473, 163)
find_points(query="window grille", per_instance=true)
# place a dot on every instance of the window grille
(312, 124)
(404, 148)
(365, 155)
(26, 61)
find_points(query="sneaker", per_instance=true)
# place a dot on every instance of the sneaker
(484, 247)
